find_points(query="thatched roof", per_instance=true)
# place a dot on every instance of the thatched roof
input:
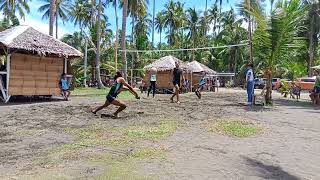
(316, 67)
(196, 67)
(166, 63)
(27, 39)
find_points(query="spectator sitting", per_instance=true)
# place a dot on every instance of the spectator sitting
(316, 90)
(64, 86)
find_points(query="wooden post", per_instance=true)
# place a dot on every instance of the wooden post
(2, 87)
(191, 81)
(65, 66)
(132, 77)
(85, 63)
(8, 75)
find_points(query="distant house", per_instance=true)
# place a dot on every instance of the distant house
(198, 70)
(164, 66)
(34, 62)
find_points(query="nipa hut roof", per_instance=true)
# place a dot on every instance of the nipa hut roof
(166, 63)
(316, 67)
(25, 38)
(195, 66)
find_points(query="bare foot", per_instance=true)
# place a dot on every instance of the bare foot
(114, 116)
(178, 102)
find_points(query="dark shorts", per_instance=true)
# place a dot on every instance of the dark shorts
(176, 83)
(317, 90)
(65, 89)
(110, 98)
(201, 87)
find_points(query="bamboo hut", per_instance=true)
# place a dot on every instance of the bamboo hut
(164, 66)
(34, 62)
(198, 70)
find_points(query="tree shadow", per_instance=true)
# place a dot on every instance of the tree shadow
(20, 100)
(269, 171)
(293, 104)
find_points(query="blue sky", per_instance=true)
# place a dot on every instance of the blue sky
(34, 18)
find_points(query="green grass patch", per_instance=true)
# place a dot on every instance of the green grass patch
(152, 132)
(100, 92)
(148, 153)
(236, 128)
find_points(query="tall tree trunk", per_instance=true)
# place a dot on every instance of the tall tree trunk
(153, 17)
(57, 23)
(250, 34)
(133, 54)
(117, 33)
(311, 45)
(93, 11)
(51, 16)
(268, 96)
(193, 45)
(160, 37)
(100, 85)
(123, 38)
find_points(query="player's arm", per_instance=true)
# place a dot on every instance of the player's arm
(128, 87)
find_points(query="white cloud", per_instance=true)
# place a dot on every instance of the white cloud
(42, 26)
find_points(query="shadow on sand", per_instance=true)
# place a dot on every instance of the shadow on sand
(19, 100)
(293, 104)
(269, 171)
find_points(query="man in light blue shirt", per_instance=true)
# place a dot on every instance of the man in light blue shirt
(64, 86)
(250, 84)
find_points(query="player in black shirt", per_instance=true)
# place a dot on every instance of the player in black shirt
(177, 73)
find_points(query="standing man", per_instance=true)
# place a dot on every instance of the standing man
(177, 73)
(153, 81)
(250, 84)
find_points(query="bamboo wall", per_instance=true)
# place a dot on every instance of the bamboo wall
(35, 75)
(164, 79)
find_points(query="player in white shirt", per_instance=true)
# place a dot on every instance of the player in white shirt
(153, 81)
(250, 83)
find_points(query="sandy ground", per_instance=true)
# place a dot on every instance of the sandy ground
(287, 148)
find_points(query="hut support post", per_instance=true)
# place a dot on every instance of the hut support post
(8, 77)
(131, 77)
(191, 82)
(65, 65)
(2, 89)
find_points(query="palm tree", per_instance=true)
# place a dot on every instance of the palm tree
(11, 7)
(98, 63)
(159, 22)
(193, 27)
(153, 20)
(232, 33)
(123, 37)
(62, 11)
(114, 3)
(275, 33)
(80, 14)
(174, 19)
(213, 17)
(312, 31)
(51, 16)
